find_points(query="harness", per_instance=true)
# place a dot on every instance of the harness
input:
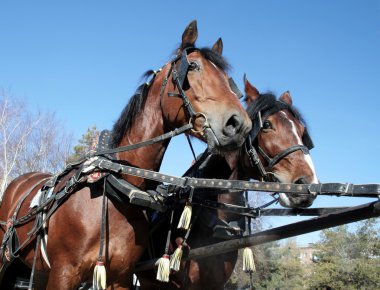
(87, 170)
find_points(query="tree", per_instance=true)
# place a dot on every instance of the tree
(86, 144)
(348, 259)
(277, 267)
(29, 142)
(287, 272)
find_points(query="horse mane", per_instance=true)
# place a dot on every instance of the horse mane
(268, 101)
(137, 101)
(130, 111)
(208, 54)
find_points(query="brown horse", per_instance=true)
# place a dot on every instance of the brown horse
(192, 88)
(281, 142)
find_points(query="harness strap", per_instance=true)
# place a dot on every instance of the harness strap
(186, 102)
(282, 154)
(145, 143)
(254, 157)
(247, 211)
(235, 88)
(30, 286)
(339, 189)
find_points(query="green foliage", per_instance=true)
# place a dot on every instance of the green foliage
(277, 267)
(348, 259)
(86, 144)
(287, 271)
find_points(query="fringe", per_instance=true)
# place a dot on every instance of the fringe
(248, 261)
(99, 279)
(184, 221)
(175, 259)
(163, 270)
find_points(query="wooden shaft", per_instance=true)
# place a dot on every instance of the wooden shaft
(353, 214)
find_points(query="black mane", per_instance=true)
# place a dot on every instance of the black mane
(137, 101)
(268, 102)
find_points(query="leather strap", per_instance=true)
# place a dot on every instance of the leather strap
(339, 189)
(147, 142)
(273, 161)
(235, 88)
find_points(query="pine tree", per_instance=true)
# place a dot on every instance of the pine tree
(86, 144)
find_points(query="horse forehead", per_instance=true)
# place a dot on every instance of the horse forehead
(286, 118)
(205, 63)
(290, 120)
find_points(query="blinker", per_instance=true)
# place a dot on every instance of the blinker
(183, 67)
(306, 140)
(235, 88)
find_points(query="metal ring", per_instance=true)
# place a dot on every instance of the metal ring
(206, 124)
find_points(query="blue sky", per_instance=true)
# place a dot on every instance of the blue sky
(84, 59)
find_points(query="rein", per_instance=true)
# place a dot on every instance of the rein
(157, 139)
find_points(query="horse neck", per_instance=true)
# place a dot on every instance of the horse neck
(148, 124)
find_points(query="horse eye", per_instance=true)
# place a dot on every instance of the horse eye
(193, 65)
(267, 125)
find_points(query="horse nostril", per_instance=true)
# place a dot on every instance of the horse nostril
(301, 180)
(233, 125)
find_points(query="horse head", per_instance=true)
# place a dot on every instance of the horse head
(282, 143)
(199, 77)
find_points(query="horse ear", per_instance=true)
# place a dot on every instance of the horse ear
(250, 91)
(189, 36)
(286, 98)
(218, 46)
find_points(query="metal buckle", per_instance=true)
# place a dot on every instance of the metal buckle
(205, 125)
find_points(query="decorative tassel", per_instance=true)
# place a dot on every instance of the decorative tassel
(184, 221)
(175, 259)
(99, 278)
(163, 270)
(248, 262)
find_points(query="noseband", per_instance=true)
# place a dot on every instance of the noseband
(266, 171)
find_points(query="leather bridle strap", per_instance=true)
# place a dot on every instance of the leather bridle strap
(235, 88)
(254, 157)
(157, 139)
(179, 78)
(186, 102)
(282, 154)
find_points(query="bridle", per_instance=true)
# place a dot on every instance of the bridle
(179, 73)
(266, 171)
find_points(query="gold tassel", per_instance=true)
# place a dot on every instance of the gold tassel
(248, 262)
(163, 270)
(175, 259)
(99, 278)
(184, 221)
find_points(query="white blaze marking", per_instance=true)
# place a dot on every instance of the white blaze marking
(307, 157)
(214, 65)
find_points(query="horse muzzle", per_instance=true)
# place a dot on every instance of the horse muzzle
(228, 136)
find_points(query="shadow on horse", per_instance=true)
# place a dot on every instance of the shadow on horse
(276, 150)
(84, 230)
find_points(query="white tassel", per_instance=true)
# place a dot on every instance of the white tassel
(163, 270)
(175, 259)
(248, 262)
(184, 221)
(99, 279)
